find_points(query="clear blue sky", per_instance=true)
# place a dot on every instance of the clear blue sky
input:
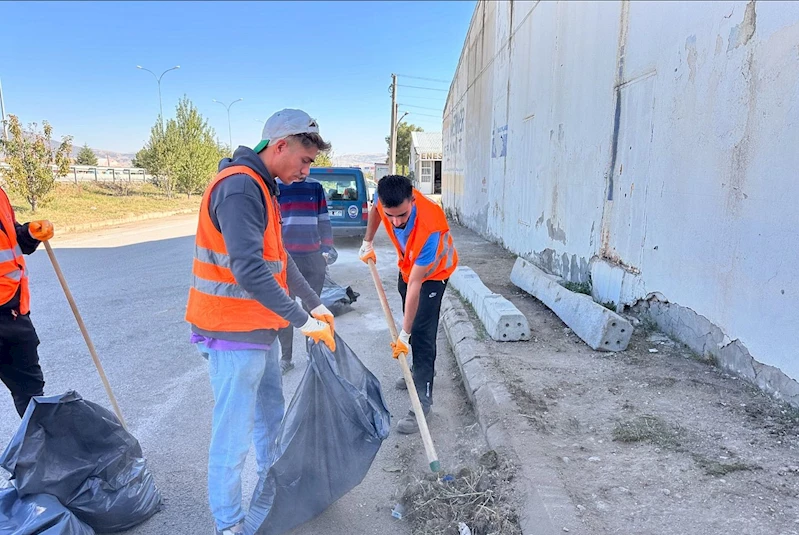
(74, 64)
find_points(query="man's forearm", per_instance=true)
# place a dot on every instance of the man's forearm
(372, 224)
(411, 304)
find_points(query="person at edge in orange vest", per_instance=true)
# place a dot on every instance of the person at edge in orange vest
(239, 300)
(19, 358)
(426, 255)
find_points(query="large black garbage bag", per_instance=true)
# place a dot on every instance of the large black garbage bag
(329, 437)
(37, 514)
(79, 452)
(337, 298)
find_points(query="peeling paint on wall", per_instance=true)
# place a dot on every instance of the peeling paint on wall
(556, 233)
(742, 33)
(710, 342)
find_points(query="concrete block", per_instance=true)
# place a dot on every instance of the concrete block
(469, 285)
(600, 328)
(502, 320)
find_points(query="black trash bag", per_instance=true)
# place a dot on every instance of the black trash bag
(79, 452)
(329, 437)
(37, 514)
(335, 297)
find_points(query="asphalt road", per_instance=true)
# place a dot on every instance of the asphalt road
(131, 284)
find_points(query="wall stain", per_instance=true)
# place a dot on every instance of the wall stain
(743, 32)
(690, 50)
(557, 234)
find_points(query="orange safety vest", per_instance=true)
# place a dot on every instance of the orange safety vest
(13, 273)
(216, 301)
(430, 218)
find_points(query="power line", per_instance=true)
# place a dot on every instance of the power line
(427, 88)
(425, 79)
(420, 107)
(424, 115)
(425, 98)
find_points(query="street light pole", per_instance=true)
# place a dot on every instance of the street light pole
(392, 142)
(3, 114)
(229, 130)
(395, 133)
(158, 79)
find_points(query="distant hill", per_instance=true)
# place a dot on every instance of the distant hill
(104, 157)
(362, 160)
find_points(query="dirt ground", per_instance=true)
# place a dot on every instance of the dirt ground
(475, 485)
(651, 440)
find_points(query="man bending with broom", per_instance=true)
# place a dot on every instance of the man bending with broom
(419, 231)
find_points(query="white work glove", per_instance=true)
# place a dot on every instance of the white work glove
(319, 331)
(402, 346)
(323, 314)
(367, 252)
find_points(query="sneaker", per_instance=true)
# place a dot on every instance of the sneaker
(286, 366)
(232, 530)
(408, 425)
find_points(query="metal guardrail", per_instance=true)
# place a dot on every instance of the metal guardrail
(96, 173)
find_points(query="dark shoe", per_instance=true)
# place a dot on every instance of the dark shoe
(408, 425)
(400, 384)
(286, 366)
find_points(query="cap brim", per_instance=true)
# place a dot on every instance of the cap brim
(261, 146)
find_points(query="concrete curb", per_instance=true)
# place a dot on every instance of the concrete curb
(113, 222)
(600, 328)
(546, 505)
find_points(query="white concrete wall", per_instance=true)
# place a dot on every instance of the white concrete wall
(653, 146)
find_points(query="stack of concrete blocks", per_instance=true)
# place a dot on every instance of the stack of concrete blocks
(600, 328)
(502, 320)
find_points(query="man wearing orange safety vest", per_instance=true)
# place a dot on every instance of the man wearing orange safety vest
(419, 231)
(239, 300)
(19, 358)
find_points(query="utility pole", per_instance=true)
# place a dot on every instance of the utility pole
(3, 114)
(392, 158)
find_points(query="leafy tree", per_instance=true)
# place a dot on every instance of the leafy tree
(403, 145)
(193, 150)
(31, 157)
(184, 155)
(86, 156)
(152, 158)
(322, 160)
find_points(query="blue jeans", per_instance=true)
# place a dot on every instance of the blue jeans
(248, 395)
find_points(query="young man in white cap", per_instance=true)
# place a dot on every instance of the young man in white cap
(239, 300)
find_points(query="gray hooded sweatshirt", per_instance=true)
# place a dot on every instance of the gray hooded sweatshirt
(238, 210)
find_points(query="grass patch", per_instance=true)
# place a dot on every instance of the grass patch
(479, 328)
(716, 468)
(646, 429)
(577, 287)
(478, 497)
(93, 202)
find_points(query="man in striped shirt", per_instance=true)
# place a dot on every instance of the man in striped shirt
(308, 238)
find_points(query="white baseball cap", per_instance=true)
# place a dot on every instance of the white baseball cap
(286, 123)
